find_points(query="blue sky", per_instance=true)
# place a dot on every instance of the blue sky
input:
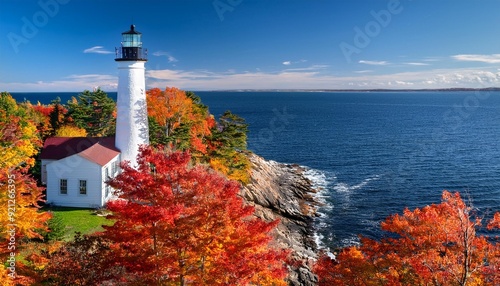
(68, 45)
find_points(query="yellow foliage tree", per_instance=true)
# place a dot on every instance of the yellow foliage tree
(19, 141)
(71, 131)
(19, 194)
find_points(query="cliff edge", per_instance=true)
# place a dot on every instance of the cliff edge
(281, 191)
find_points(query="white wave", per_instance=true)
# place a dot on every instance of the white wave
(325, 183)
(319, 179)
(345, 188)
(352, 241)
(321, 182)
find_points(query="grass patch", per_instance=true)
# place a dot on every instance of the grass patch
(74, 220)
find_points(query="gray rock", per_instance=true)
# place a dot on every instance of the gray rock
(281, 191)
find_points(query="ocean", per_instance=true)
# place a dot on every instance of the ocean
(371, 154)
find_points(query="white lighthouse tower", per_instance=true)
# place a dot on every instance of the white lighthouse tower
(132, 117)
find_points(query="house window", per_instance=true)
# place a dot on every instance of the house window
(63, 186)
(116, 167)
(44, 174)
(107, 187)
(83, 187)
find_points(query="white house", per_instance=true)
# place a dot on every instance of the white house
(75, 169)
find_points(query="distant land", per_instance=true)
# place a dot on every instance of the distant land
(113, 93)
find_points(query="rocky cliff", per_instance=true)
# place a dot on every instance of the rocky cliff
(281, 191)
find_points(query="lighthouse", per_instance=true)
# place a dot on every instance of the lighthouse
(132, 117)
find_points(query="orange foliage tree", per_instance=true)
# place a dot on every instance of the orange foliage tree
(169, 108)
(40, 115)
(186, 225)
(83, 261)
(180, 119)
(47, 117)
(436, 245)
(19, 194)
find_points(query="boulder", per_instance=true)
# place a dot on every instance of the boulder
(281, 191)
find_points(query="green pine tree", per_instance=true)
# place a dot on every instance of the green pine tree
(93, 111)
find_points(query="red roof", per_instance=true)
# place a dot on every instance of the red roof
(99, 150)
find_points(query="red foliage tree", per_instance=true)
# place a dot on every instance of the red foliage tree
(435, 245)
(83, 261)
(186, 225)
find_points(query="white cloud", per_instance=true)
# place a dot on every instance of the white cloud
(68, 83)
(403, 83)
(417, 64)
(310, 68)
(170, 58)
(287, 63)
(364, 71)
(374, 63)
(314, 77)
(490, 59)
(97, 50)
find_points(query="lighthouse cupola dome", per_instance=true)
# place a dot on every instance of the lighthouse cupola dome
(131, 38)
(131, 49)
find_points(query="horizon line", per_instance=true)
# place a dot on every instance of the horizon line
(303, 90)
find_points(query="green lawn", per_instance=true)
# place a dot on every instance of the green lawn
(80, 220)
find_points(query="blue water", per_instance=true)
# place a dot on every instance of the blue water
(374, 153)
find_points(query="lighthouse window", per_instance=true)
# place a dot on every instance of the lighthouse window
(83, 187)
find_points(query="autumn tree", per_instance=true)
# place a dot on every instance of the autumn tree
(180, 119)
(169, 108)
(57, 116)
(19, 194)
(436, 245)
(71, 131)
(178, 224)
(83, 261)
(18, 138)
(39, 115)
(229, 141)
(93, 111)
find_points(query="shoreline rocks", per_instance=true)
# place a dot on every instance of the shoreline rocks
(281, 191)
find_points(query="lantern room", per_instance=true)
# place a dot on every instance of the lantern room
(131, 47)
